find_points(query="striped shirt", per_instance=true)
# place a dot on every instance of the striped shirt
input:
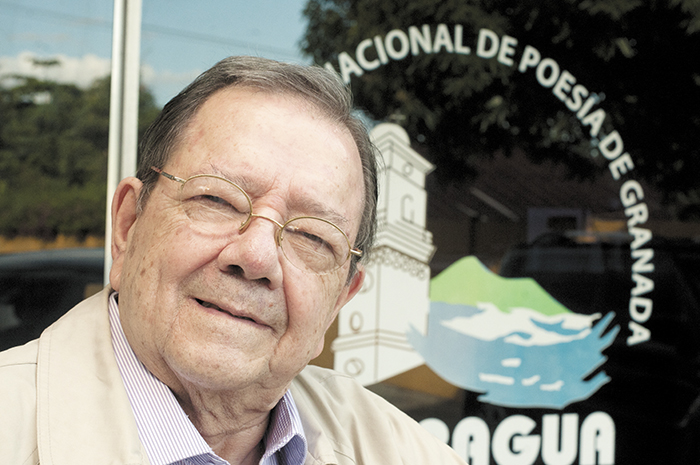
(167, 434)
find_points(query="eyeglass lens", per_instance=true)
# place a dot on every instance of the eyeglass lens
(217, 206)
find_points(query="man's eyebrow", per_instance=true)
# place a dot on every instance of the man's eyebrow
(236, 178)
(314, 208)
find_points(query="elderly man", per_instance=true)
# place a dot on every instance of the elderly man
(234, 248)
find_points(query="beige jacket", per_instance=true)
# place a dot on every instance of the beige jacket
(62, 402)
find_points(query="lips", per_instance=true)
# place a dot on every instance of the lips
(206, 304)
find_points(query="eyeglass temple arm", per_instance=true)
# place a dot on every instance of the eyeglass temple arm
(167, 175)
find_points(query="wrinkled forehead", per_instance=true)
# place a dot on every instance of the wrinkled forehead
(309, 102)
(316, 107)
(221, 103)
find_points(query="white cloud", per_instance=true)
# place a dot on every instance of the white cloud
(81, 71)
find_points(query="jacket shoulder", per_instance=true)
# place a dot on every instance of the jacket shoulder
(20, 355)
(360, 426)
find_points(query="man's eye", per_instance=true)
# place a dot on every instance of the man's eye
(308, 239)
(211, 209)
(306, 235)
(214, 201)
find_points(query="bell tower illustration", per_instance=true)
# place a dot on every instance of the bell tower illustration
(371, 345)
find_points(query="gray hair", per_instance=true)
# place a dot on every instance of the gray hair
(318, 87)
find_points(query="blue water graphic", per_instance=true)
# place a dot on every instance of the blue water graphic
(518, 357)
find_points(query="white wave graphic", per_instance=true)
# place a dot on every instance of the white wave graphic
(518, 327)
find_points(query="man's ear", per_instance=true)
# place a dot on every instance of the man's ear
(349, 291)
(354, 286)
(124, 214)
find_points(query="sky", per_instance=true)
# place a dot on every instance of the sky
(179, 38)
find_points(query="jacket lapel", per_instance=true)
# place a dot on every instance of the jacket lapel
(82, 408)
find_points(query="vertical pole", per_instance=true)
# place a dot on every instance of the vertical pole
(124, 105)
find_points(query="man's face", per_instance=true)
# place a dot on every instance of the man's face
(233, 312)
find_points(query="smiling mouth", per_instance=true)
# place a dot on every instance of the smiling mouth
(216, 307)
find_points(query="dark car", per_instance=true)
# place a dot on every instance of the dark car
(37, 288)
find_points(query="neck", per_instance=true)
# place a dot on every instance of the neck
(232, 420)
(228, 424)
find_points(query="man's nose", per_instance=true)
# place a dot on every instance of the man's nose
(254, 252)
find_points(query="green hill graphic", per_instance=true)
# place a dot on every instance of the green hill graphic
(468, 281)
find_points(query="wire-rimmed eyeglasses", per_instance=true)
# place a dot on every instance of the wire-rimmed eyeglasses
(216, 205)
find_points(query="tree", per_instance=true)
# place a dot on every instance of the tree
(53, 156)
(639, 56)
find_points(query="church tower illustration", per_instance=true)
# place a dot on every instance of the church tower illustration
(371, 344)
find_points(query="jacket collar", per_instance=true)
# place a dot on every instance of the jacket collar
(322, 431)
(82, 406)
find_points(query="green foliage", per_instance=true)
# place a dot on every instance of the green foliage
(53, 156)
(640, 56)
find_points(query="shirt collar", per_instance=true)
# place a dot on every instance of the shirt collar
(166, 432)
